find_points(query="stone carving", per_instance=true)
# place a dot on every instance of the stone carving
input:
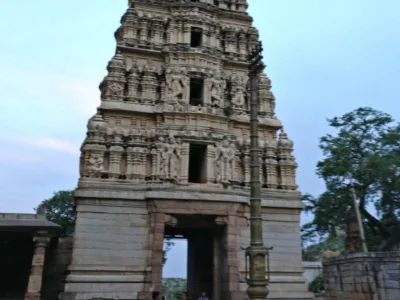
(216, 88)
(287, 163)
(116, 89)
(112, 87)
(270, 162)
(267, 99)
(224, 161)
(95, 164)
(176, 85)
(171, 220)
(170, 158)
(238, 99)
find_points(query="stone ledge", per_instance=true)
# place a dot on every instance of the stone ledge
(73, 278)
(271, 198)
(96, 268)
(361, 257)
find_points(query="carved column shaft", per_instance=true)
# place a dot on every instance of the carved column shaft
(210, 164)
(115, 161)
(184, 172)
(35, 279)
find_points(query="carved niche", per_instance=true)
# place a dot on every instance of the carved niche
(112, 86)
(238, 93)
(225, 161)
(170, 155)
(177, 85)
(215, 87)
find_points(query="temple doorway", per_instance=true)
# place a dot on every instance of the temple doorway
(204, 254)
(16, 250)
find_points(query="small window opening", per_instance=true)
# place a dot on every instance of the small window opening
(216, 2)
(196, 91)
(196, 36)
(197, 163)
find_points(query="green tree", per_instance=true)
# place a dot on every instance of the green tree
(60, 209)
(366, 150)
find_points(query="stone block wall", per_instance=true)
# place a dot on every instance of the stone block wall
(367, 276)
(58, 258)
(111, 250)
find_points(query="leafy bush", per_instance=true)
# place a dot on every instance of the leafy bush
(317, 285)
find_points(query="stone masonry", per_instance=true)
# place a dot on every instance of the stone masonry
(367, 276)
(170, 140)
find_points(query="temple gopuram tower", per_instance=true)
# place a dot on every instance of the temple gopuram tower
(167, 156)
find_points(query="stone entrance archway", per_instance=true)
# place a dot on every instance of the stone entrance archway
(206, 250)
(211, 231)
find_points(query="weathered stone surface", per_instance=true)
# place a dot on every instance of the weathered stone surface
(136, 168)
(363, 276)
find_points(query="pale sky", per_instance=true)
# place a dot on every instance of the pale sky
(324, 57)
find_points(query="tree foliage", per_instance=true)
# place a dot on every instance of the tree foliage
(174, 287)
(60, 209)
(317, 285)
(366, 151)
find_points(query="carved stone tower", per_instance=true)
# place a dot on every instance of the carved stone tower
(167, 155)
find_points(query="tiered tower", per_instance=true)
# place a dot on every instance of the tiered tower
(167, 154)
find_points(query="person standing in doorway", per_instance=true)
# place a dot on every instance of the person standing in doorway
(203, 296)
(185, 296)
(153, 295)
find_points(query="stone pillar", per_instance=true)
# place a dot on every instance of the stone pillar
(157, 250)
(232, 281)
(217, 267)
(184, 172)
(191, 259)
(35, 279)
(210, 164)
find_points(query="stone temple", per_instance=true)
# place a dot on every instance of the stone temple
(167, 155)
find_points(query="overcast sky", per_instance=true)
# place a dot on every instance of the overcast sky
(325, 58)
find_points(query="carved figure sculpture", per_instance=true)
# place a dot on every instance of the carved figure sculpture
(238, 98)
(176, 86)
(94, 163)
(170, 158)
(224, 161)
(216, 92)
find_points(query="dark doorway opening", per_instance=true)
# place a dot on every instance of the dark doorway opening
(196, 37)
(198, 163)
(16, 251)
(196, 91)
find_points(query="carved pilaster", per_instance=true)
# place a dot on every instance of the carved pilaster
(184, 176)
(271, 164)
(155, 163)
(133, 83)
(210, 164)
(287, 164)
(41, 241)
(115, 161)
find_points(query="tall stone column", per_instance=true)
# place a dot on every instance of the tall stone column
(184, 171)
(210, 164)
(35, 279)
(157, 250)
